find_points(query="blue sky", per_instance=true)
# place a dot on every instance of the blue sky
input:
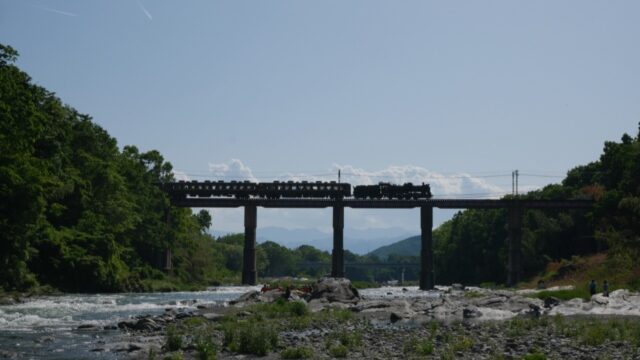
(454, 93)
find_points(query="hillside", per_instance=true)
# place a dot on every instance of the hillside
(406, 247)
(579, 270)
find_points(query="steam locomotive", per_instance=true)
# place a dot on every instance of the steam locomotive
(291, 189)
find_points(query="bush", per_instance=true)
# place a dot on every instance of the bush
(421, 347)
(297, 353)
(463, 344)
(174, 338)
(205, 348)
(252, 337)
(338, 351)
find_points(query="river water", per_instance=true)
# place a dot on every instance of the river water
(47, 327)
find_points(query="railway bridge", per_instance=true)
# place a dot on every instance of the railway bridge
(515, 207)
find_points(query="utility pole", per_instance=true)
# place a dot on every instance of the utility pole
(338, 176)
(517, 175)
(514, 182)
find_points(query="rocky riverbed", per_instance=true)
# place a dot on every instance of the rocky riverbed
(335, 320)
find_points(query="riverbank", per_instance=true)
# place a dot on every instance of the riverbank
(335, 320)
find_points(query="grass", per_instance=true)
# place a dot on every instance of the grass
(473, 294)
(174, 338)
(359, 284)
(338, 351)
(421, 347)
(301, 352)
(535, 356)
(587, 330)
(462, 343)
(250, 337)
(621, 271)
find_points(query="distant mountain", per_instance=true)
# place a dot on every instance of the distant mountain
(406, 247)
(359, 241)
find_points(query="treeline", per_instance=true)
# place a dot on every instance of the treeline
(76, 212)
(471, 248)
(79, 214)
(274, 260)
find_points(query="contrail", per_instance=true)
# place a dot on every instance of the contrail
(66, 13)
(145, 11)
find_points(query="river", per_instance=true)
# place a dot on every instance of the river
(47, 327)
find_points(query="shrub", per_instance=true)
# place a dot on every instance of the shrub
(205, 348)
(338, 351)
(420, 347)
(463, 344)
(250, 337)
(301, 352)
(174, 338)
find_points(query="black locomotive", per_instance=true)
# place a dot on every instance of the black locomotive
(291, 189)
(391, 191)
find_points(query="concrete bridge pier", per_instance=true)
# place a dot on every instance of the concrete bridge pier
(337, 255)
(426, 250)
(514, 267)
(249, 268)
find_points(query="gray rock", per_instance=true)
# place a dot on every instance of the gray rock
(213, 316)
(457, 286)
(551, 302)
(146, 324)
(335, 290)
(87, 327)
(126, 325)
(471, 313)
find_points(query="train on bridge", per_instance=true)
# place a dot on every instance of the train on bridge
(295, 189)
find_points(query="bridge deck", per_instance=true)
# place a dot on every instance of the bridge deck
(199, 202)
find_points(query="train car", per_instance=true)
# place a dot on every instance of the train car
(391, 191)
(238, 189)
(304, 189)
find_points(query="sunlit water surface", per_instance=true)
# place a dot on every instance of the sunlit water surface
(47, 327)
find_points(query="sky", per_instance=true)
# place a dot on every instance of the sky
(453, 93)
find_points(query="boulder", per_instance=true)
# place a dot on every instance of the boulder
(470, 313)
(551, 302)
(458, 287)
(335, 290)
(87, 327)
(146, 324)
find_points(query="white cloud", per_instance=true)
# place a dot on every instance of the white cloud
(232, 170)
(443, 186)
(180, 176)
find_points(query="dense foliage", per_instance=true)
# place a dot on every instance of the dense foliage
(471, 247)
(78, 213)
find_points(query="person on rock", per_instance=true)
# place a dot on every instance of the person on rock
(605, 288)
(592, 287)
